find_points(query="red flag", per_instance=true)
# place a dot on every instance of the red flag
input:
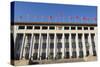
(77, 17)
(88, 19)
(49, 17)
(95, 19)
(84, 18)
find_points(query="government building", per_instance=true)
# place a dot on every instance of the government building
(52, 42)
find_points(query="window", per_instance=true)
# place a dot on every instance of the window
(59, 55)
(80, 45)
(66, 28)
(21, 27)
(51, 36)
(91, 28)
(29, 27)
(44, 28)
(79, 36)
(37, 27)
(87, 53)
(36, 36)
(81, 54)
(86, 36)
(66, 36)
(59, 36)
(72, 28)
(73, 37)
(44, 45)
(52, 28)
(94, 53)
(44, 36)
(36, 45)
(74, 54)
(51, 45)
(35, 56)
(93, 44)
(51, 55)
(59, 45)
(67, 55)
(79, 28)
(43, 56)
(73, 45)
(85, 28)
(67, 45)
(92, 40)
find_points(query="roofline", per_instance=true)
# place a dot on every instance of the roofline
(52, 23)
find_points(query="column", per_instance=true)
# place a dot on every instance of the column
(70, 46)
(47, 46)
(84, 46)
(63, 46)
(55, 45)
(14, 36)
(32, 52)
(90, 45)
(41, 43)
(31, 44)
(77, 45)
(23, 43)
(15, 33)
(39, 49)
(96, 41)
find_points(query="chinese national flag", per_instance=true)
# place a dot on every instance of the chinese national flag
(95, 19)
(77, 17)
(50, 17)
(84, 18)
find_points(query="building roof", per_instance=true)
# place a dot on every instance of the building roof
(52, 23)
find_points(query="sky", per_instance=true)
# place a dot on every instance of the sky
(48, 12)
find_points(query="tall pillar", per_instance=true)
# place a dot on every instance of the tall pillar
(31, 44)
(77, 45)
(47, 45)
(96, 41)
(70, 46)
(23, 54)
(63, 46)
(15, 33)
(54, 45)
(39, 49)
(32, 52)
(14, 36)
(41, 44)
(22, 45)
(84, 46)
(90, 44)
